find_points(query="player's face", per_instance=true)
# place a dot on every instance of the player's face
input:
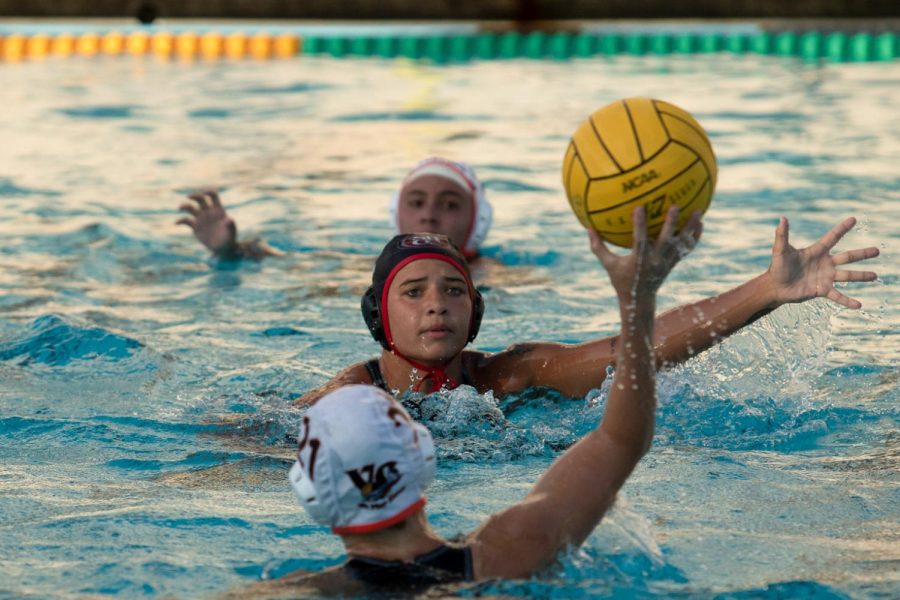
(434, 204)
(429, 310)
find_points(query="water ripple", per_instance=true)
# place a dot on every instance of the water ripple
(53, 341)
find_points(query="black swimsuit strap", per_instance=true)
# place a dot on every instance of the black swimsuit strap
(466, 380)
(448, 558)
(445, 562)
(374, 370)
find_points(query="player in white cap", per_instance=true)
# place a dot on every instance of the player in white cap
(437, 195)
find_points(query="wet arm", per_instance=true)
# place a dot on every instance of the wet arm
(686, 331)
(679, 334)
(576, 491)
(574, 494)
(252, 249)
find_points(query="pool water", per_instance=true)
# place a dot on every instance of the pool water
(145, 418)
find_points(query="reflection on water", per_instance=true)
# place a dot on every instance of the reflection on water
(146, 421)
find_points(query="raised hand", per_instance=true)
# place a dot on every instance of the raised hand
(799, 275)
(210, 223)
(642, 271)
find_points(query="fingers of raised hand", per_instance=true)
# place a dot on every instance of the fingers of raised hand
(187, 221)
(830, 239)
(207, 199)
(851, 256)
(782, 233)
(855, 276)
(190, 208)
(692, 231)
(598, 247)
(200, 199)
(214, 198)
(690, 235)
(668, 228)
(639, 224)
(836, 296)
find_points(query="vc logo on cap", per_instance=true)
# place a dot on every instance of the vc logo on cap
(375, 485)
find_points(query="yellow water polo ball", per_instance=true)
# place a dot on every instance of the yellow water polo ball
(632, 152)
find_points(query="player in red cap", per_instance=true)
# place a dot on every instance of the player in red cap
(423, 309)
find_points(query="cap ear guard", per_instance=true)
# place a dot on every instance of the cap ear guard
(427, 455)
(477, 314)
(394, 212)
(372, 316)
(306, 492)
(481, 225)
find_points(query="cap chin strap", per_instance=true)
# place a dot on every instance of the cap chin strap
(437, 375)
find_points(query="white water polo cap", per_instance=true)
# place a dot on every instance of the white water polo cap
(464, 176)
(362, 463)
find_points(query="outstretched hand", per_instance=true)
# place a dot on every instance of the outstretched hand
(210, 223)
(640, 273)
(798, 275)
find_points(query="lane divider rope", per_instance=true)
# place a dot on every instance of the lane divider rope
(186, 45)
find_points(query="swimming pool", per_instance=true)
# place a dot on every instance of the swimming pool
(145, 390)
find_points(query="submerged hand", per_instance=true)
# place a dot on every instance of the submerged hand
(640, 273)
(210, 223)
(799, 275)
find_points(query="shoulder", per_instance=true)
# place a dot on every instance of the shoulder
(332, 582)
(353, 374)
(512, 544)
(507, 371)
(511, 355)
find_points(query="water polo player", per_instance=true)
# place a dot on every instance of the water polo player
(423, 309)
(363, 465)
(437, 195)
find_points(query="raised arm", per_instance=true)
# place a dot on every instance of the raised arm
(572, 496)
(217, 230)
(795, 275)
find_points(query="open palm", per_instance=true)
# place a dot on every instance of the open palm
(811, 272)
(210, 223)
